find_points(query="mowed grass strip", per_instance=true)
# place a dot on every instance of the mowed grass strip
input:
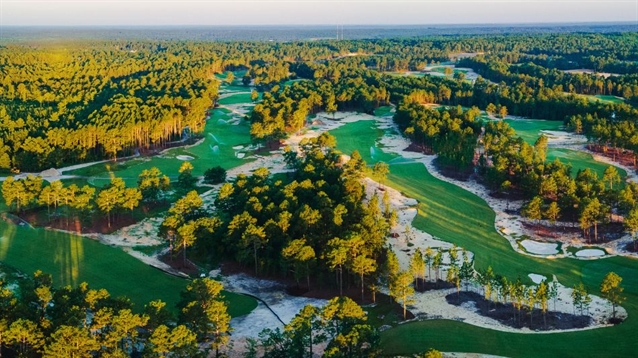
(455, 215)
(71, 260)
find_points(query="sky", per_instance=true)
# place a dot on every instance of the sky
(310, 12)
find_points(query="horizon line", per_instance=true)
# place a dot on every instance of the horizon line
(498, 24)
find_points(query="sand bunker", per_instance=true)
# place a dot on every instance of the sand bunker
(590, 253)
(540, 248)
(536, 278)
(590, 72)
(240, 155)
(184, 157)
(50, 173)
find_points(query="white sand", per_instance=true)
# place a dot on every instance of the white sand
(470, 75)
(590, 72)
(273, 293)
(562, 138)
(536, 278)
(143, 233)
(590, 253)
(184, 157)
(432, 305)
(540, 248)
(407, 242)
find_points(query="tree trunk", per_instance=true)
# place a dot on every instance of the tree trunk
(404, 310)
(184, 251)
(531, 315)
(361, 288)
(340, 281)
(255, 254)
(545, 319)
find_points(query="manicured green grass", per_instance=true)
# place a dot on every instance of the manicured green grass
(580, 161)
(71, 259)
(225, 88)
(414, 74)
(219, 137)
(442, 70)
(382, 111)
(291, 82)
(598, 98)
(529, 129)
(236, 98)
(610, 99)
(236, 81)
(453, 214)
(362, 136)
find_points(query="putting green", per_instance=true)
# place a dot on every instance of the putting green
(238, 98)
(362, 136)
(610, 99)
(580, 161)
(598, 98)
(529, 129)
(72, 259)
(414, 74)
(383, 111)
(442, 70)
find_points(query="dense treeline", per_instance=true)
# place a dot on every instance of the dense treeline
(452, 134)
(40, 320)
(534, 75)
(80, 203)
(285, 110)
(514, 168)
(105, 99)
(97, 102)
(310, 224)
(511, 167)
